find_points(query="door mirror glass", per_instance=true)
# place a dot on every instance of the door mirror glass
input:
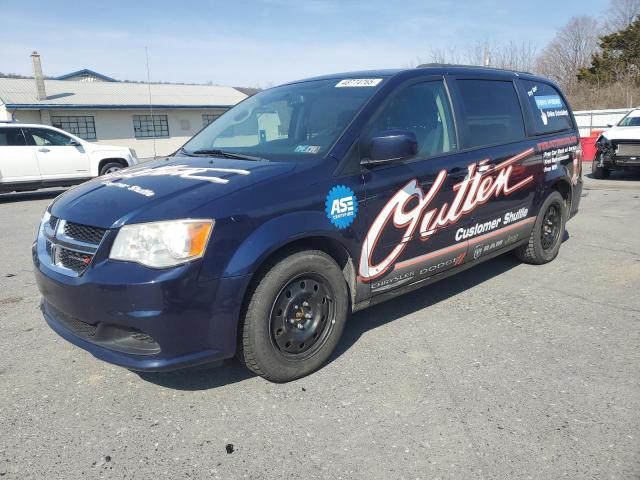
(391, 145)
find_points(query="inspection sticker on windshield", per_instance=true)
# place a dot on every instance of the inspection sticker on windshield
(358, 82)
(307, 149)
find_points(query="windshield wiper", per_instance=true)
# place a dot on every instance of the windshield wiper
(225, 154)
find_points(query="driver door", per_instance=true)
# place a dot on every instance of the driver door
(59, 156)
(401, 247)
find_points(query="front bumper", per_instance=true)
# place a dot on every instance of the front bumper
(613, 161)
(141, 318)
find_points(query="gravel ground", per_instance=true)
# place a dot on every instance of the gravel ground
(504, 371)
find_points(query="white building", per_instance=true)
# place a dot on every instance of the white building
(153, 119)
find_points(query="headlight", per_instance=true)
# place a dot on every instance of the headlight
(603, 142)
(162, 244)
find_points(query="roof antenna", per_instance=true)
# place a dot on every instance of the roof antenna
(153, 123)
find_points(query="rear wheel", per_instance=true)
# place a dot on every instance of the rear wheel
(294, 317)
(548, 230)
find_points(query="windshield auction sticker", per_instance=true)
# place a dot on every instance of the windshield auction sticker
(358, 82)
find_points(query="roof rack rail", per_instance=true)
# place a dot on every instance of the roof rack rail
(460, 65)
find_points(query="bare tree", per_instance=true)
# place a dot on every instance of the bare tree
(621, 14)
(442, 55)
(513, 56)
(570, 50)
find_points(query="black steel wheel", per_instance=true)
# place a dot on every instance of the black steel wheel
(294, 317)
(550, 227)
(302, 316)
(547, 232)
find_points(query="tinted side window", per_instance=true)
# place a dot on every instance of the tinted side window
(11, 137)
(550, 113)
(48, 138)
(422, 108)
(491, 112)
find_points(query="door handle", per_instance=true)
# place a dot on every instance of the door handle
(43, 150)
(457, 171)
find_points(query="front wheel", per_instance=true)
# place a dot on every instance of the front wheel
(548, 231)
(111, 167)
(599, 172)
(294, 317)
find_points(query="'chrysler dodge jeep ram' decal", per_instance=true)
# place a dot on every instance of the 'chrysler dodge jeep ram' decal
(477, 188)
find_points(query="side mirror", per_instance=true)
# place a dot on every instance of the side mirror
(391, 145)
(609, 125)
(74, 143)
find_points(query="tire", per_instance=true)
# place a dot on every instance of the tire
(294, 317)
(111, 167)
(599, 172)
(543, 246)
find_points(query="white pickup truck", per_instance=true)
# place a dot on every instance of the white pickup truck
(38, 156)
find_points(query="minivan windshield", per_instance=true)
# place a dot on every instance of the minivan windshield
(290, 122)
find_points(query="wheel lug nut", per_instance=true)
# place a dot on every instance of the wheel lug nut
(307, 315)
(300, 327)
(295, 306)
(305, 304)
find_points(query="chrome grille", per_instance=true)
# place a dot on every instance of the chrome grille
(69, 247)
(76, 261)
(628, 150)
(84, 233)
(53, 221)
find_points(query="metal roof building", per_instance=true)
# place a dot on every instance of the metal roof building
(154, 119)
(20, 94)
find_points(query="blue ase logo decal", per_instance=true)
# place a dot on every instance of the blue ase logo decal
(341, 206)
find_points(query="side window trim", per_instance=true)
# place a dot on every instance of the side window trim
(365, 131)
(28, 137)
(24, 137)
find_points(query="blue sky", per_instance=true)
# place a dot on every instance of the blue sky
(263, 42)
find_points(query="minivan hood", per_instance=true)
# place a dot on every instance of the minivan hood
(622, 133)
(161, 190)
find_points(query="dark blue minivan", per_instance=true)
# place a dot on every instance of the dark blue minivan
(303, 203)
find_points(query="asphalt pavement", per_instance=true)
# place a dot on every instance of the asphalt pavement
(504, 371)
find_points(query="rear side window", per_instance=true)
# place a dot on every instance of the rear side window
(491, 113)
(550, 113)
(11, 137)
